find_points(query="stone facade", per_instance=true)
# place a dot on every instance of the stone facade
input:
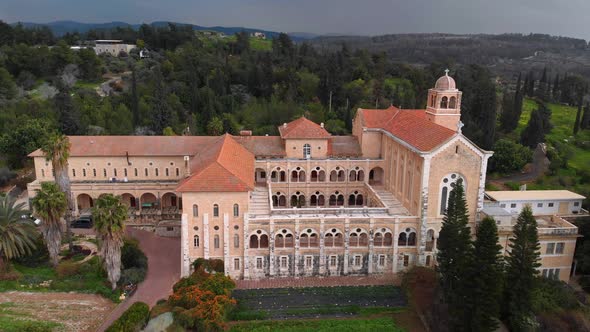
(304, 204)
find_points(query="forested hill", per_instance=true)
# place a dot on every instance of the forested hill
(60, 28)
(504, 54)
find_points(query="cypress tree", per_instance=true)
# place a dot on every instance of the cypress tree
(455, 254)
(578, 119)
(521, 271)
(585, 124)
(556, 88)
(533, 133)
(486, 278)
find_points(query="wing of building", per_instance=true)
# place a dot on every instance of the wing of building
(305, 203)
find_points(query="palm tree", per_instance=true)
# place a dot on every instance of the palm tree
(57, 151)
(17, 235)
(49, 205)
(109, 215)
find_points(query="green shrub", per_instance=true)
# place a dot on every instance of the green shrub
(39, 256)
(553, 295)
(209, 265)
(132, 256)
(67, 269)
(133, 275)
(513, 185)
(133, 319)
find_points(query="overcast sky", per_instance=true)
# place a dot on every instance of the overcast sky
(362, 17)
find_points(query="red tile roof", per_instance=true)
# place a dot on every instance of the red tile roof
(222, 166)
(303, 128)
(344, 146)
(263, 146)
(411, 126)
(90, 146)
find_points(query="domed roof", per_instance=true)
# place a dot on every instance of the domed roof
(445, 82)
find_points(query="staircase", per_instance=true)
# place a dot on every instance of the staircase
(259, 202)
(390, 202)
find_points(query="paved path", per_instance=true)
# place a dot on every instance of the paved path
(387, 279)
(163, 271)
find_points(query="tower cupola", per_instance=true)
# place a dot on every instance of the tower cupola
(444, 103)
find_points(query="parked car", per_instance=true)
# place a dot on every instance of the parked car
(83, 222)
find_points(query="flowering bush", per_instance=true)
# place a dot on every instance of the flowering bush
(202, 300)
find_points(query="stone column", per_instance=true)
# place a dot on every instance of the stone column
(271, 248)
(226, 258)
(371, 245)
(346, 244)
(395, 248)
(206, 235)
(246, 247)
(424, 212)
(322, 247)
(184, 243)
(296, 263)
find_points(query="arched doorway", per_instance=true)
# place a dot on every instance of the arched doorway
(148, 200)
(129, 200)
(376, 176)
(84, 202)
(260, 176)
(169, 200)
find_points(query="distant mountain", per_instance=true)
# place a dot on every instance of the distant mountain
(59, 28)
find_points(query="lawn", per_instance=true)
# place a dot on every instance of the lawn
(562, 118)
(13, 320)
(89, 279)
(323, 325)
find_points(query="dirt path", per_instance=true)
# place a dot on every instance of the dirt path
(537, 168)
(77, 312)
(163, 271)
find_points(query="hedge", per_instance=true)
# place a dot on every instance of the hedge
(132, 320)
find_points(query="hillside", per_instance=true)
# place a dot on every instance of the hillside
(577, 174)
(505, 55)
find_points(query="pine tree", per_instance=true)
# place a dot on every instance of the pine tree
(455, 253)
(521, 271)
(486, 278)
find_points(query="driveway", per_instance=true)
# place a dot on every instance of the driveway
(163, 271)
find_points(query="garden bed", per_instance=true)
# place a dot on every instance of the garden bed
(288, 303)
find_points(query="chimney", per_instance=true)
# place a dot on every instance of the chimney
(187, 170)
(322, 125)
(285, 125)
(245, 132)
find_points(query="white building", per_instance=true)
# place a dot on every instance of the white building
(112, 46)
(542, 202)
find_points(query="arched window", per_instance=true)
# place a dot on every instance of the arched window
(447, 184)
(453, 103)
(337, 175)
(236, 210)
(308, 239)
(407, 238)
(333, 238)
(355, 199)
(298, 200)
(279, 199)
(236, 241)
(215, 210)
(298, 175)
(383, 238)
(317, 199)
(195, 210)
(254, 244)
(196, 241)
(306, 151)
(358, 238)
(444, 102)
(216, 241)
(284, 239)
(317, 175)
(263, 241)
(430, 240)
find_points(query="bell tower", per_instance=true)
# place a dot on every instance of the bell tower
(444, 103)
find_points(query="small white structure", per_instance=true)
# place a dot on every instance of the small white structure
(258, 34)
(112, 46)
(542, 202)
